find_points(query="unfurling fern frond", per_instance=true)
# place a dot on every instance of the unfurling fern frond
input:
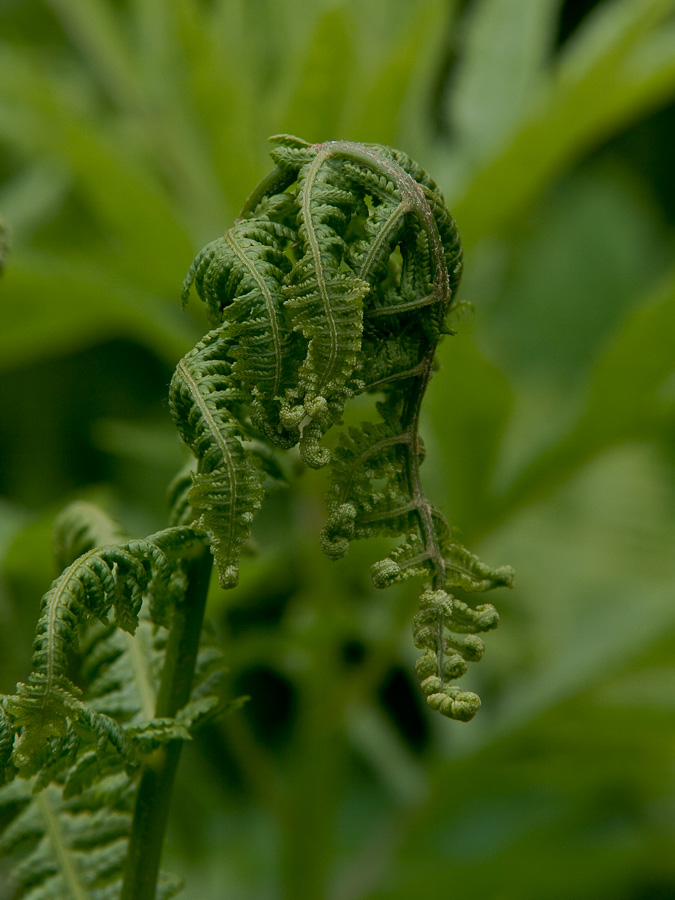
(48, 712)
(358, 263)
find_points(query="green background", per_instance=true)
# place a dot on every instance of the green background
(131, 132)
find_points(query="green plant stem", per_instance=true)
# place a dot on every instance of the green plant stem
(158, 771)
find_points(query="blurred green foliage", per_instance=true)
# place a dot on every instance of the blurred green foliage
(130, 134)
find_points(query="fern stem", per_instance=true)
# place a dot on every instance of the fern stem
(413, 372)
(398, 308)
(275, 182)
(158, 772)
(422, 505)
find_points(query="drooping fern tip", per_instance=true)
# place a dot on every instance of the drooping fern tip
(336, 280)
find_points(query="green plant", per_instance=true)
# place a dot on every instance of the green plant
(336, 281)
(549, 427)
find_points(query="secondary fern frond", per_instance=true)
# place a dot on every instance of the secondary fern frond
(47, 710)
(68, 824)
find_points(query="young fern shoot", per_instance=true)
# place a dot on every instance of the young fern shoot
(337, 280)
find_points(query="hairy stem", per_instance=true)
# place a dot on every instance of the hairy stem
(157, 774)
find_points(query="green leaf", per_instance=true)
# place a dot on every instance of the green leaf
(53, 306)
(324, 80)
(466, 428)
(624, 401)
(501, 71)
(616, 68)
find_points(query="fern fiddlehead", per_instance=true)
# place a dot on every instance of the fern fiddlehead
(359, 262)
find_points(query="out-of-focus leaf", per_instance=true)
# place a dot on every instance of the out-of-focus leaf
(96, 30)
(122, 192)
(624, 402)
(620, 65)
(52, 306)
(324, 80)
(502, 70)
(469, 404)
(33, 197)
(596, 578)
(587, 253)
(399, 81)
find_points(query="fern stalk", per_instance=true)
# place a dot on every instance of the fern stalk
(153, 798)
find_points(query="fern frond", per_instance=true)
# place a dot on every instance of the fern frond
(69, 838)
(376, 260)
(123, 673)
(439, 628)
